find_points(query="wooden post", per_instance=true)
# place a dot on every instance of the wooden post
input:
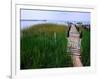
(55, 36)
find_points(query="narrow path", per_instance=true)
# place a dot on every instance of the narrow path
(74, 42)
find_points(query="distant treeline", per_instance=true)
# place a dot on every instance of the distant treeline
(63, 21)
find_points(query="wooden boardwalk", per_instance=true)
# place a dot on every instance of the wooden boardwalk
(74, 44)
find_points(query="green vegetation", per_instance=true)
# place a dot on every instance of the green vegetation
(44, 46)
(86, 47)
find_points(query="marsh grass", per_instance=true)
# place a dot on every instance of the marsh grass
(40, 49)
(86, 47)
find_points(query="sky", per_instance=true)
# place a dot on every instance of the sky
(54, 15)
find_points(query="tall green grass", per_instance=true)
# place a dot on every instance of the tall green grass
(86, 47)
(40, 48)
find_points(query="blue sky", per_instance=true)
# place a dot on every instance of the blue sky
(55, 15)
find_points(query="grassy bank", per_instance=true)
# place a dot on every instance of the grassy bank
(44, 46)
(86, 47)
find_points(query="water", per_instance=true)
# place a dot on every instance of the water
(28, 23)
(25, 24)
